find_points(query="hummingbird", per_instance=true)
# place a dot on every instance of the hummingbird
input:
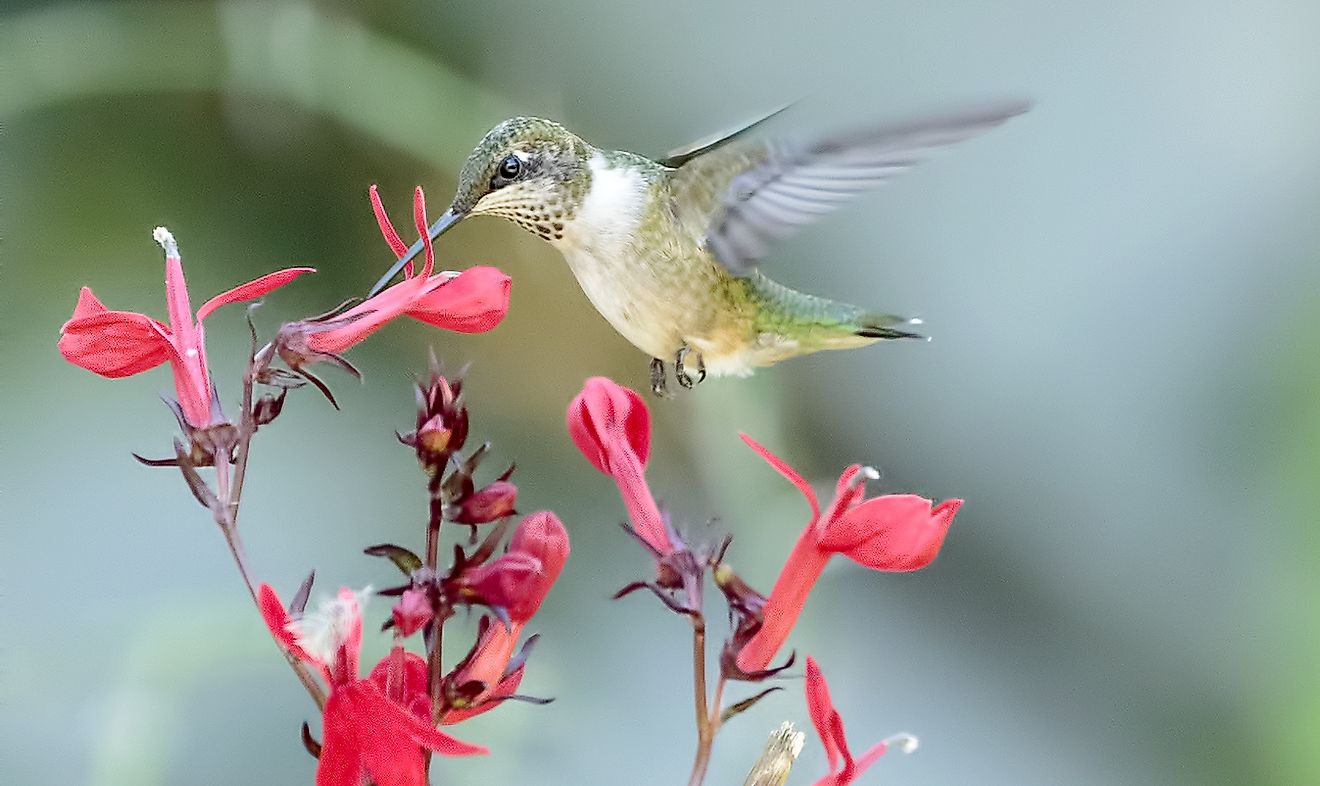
(667, 250)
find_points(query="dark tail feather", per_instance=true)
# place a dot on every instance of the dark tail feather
(883, 326)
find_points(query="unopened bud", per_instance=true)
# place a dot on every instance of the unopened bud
(411, 612)
(434, 436)
(491, 503)
(268, 407)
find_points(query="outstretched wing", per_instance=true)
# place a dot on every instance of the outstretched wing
(681, 155)
(760, 192)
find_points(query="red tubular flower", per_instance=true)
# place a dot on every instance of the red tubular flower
(543, 536)
(471, 301)
(612, 427)
(122, 343)
(366, 734)
(519, 580)
(488, 675)
(830, 728)
(894, 532)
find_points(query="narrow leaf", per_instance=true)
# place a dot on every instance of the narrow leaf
(402, 558)
(746, 704)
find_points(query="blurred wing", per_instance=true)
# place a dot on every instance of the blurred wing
(774, 188)
(681, 155)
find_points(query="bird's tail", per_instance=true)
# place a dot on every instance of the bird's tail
(811, 323)
(886, 326)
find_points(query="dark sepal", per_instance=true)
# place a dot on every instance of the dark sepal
(309, 742)
(403, 559)
(519, 697)
(269, 407)
(299, 601)
(664, 595)
(319, 385)
(488, 546)
(746, 703)
(729, 667)
(200, 491)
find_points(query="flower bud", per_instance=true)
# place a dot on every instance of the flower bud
(491, 503)
(411, 612)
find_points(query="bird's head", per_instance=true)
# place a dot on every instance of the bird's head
(531, 171)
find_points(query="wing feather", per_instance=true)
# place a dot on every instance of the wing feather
(759, 192)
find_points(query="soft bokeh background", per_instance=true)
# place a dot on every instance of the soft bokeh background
(1123, 288)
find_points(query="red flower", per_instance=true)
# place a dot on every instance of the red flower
(895, 532)
(830, 728)
(490, 667)
(365, 733)
(122, 343)
(539, 540)
(612, 427)
(542, 536)
(472, 301)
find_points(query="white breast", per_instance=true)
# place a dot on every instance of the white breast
(599, 246)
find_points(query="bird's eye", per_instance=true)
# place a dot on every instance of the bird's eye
(510, 167)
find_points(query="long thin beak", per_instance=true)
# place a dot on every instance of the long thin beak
(443, 223)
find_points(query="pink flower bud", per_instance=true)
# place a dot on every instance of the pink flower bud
(411, 612)
(491, 503)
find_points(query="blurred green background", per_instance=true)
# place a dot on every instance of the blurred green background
(1123, 288)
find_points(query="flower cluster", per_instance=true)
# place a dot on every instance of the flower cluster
(892, 532)
(383, 728)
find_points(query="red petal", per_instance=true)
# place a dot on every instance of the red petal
(542, 535)
(899, 532)
(252, 289)
(182, 325)
(489, 701)
(829, 726)
(277, 620)
(415, 698)
(419, 219)
(113, 343)
(387, 229)
(788, 472)
(643, 511)
(474, 301)
(88, 304)
(340, 763)
(787, 599)
(359, 322)
(379, 712)
(607, 417)
(512, 581)
(486, 665)
(868, 758)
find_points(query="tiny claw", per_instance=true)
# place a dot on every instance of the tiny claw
(701, 369)
(680, 371)
(658, 385)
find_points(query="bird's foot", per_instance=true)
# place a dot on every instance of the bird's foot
(680, 368)
(658, 381)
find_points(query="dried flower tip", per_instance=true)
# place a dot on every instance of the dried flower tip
(166, 240)
(781, 750)
(864, 474)
(322, 633)
(902, 742)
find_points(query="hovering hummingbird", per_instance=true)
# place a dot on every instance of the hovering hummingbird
(666, 250)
